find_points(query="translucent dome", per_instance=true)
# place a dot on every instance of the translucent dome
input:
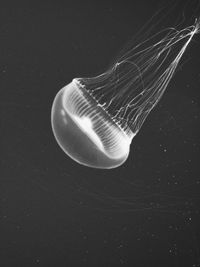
(85, 131)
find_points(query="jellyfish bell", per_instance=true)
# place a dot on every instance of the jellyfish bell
(94, 120)
(85, 131)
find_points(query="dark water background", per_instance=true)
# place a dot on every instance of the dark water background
(54, 212)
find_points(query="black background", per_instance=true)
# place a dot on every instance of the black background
(54, 212)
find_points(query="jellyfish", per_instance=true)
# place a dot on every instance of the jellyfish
(94, 120)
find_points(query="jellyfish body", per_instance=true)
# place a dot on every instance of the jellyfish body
(95, 119)
(85, 131)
